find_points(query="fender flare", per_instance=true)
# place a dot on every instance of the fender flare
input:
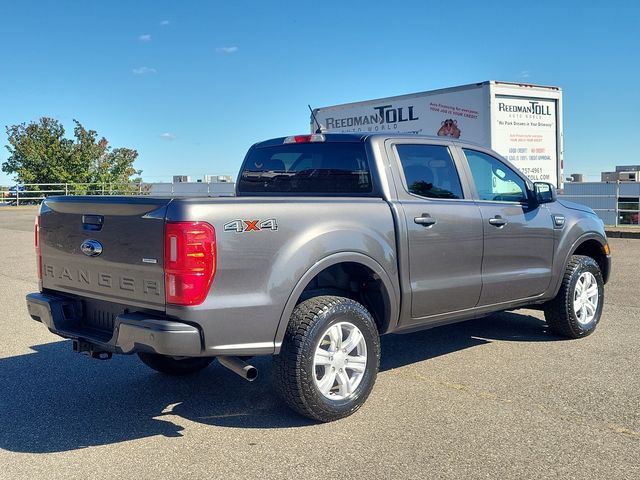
(574, 246)
(333, 259)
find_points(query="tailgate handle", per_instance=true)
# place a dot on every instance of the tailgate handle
(93, 223)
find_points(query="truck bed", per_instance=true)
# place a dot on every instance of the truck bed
(263, 248)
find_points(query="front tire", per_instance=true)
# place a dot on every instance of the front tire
(174, 366)
(576, 310)
(329, 358)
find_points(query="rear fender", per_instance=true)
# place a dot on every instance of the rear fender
(334, 259)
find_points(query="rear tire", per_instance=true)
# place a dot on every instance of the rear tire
(174, 366)
(576, 310)
(329, 359)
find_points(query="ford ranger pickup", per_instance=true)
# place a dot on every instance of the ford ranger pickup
(331, 241)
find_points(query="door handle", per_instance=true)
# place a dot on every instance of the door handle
(425, 219)
(497, 221)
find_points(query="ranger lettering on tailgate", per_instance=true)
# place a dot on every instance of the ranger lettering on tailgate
(72, 276)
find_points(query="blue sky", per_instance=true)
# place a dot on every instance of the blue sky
(191, 85)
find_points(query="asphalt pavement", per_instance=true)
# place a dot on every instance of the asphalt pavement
(495, 398)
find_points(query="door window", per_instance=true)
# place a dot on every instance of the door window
(494, 180)
(429, 171)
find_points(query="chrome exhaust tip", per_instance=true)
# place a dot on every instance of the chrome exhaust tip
(239, 367)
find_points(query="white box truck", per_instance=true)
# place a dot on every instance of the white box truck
(522, 122)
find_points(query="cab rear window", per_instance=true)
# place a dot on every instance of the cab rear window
(307, 168)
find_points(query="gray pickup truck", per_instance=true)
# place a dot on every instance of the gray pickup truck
(330, 241)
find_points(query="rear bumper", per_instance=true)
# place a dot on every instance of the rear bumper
(133, 332)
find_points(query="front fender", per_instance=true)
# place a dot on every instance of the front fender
(565, 251)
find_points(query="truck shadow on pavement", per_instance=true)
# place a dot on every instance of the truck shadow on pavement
(53, 400)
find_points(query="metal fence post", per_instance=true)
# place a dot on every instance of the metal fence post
(617, 199)
(66, 189)
(17, 196)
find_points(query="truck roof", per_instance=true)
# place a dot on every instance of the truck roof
(356, 137)
(329, 137)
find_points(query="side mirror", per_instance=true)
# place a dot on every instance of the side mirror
(544, 192)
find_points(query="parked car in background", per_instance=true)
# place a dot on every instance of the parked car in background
(11, 192)
(11, 195)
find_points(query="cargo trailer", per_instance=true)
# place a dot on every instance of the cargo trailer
(522, 122)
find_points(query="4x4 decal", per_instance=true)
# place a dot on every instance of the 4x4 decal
(241, 226)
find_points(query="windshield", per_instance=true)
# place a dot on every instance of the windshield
(326, 168)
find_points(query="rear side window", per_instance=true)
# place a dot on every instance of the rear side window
(313, 168)
(429, 171)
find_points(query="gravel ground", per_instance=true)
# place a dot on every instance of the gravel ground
(492, 398)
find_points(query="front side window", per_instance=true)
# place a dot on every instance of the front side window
(494, 180)
(429, 171)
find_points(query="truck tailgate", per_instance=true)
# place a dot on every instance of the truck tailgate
(106, 248)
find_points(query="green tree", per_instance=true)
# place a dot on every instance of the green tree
(40, 153)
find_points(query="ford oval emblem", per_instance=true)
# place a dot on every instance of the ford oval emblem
(91, 248)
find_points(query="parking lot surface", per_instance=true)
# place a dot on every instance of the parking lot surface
(492, 398)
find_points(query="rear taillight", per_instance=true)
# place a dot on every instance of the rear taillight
(189, 261)
(37, 244)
